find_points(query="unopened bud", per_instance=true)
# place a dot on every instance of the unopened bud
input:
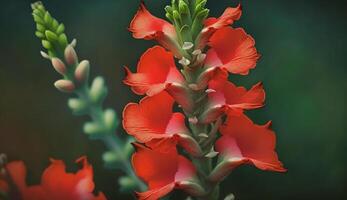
(73, 43)
(70, 55)
(193, 120)
(59, 66)
(65, 85)
(92, 128)
(201, 57)
(45, 55)
(110, 119)
(98, 91)
(208, 91)
(203, 135)
(193, 86)
(82, 71)
(78, 106)
(187, 45)
(192, 188)
(184, 61)
(110, 158)
(197, 52)
(231, 196)
(211, 154)
(127, 183)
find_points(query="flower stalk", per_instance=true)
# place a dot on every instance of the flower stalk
(88, 97)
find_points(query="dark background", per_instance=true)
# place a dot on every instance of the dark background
(303, 68)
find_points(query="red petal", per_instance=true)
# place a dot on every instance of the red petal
(156, 166)
(146, 26)
(153, 118)
(237, 97)
(234, 49)
(155, 70)
(186, 169)
(245, 141)
(56, 184)
(212, 24)
(156, 194)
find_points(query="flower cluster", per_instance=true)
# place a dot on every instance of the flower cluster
(56, 183)
(194, 150)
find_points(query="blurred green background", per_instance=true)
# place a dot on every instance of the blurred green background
(303, 43)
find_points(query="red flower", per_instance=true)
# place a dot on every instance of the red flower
(156, 72)
(146, 26)
(163, 169)
(232, 49)
(244, 142)
(153, 118)
(212, 24)
(227, 98)
(56, 184)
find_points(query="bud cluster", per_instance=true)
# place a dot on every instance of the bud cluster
(88, 97)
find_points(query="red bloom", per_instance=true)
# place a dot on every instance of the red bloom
(162, 168)
(56, 184)
(146, 26)
(212, 24)
(153, 118)
(232, 49)
(156, 72)
(244, 142)
(226, 97)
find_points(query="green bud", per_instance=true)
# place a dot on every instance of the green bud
(38, 19)
(55, 24)
(38, 13)
(200, 6)
(177, 18)
(183, 7)
(47, 18)
(110, 158)
(110, 119)
(40, 27)
(92, 129)
(46, 44)
(168, 9)
(51, 36)
(60, 29)
(127, 183)
(40, 35)
(78, 106)
(98, 90)
(63, 40)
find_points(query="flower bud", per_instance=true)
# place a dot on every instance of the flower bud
(111, 159)
(127, 183)
(92, 129)
(110, 119)
(82, 71)
(70, 55)
(187, 45)
(98, 90)
(78, 106)
(65, 86)
(59, 66)
(184, 61)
